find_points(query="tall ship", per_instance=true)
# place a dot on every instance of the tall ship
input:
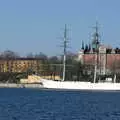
(110, 84)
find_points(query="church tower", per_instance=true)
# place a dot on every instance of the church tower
(95, 41)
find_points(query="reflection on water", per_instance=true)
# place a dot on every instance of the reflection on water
(36, 104)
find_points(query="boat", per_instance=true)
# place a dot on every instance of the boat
(79, 85)
(72, 85)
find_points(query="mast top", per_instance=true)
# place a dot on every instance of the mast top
(95, 42)
(65, 32)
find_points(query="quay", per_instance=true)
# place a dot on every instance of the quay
(14, 85)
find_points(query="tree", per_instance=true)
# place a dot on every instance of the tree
(30, 55)
(41, 56)
(8, 54)
(53, 60)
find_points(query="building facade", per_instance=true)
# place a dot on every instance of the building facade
(20, 65)
(105, 57)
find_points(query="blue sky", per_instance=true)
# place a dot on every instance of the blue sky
(37, 25)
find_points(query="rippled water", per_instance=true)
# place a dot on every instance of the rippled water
(37, 104)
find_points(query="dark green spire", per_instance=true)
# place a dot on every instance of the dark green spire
(82, 45)
(95, 42)
(89, 47)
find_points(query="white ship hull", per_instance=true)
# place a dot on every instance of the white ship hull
(77, 85)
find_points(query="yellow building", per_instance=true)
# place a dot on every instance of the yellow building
(20, 65)
(28, 65)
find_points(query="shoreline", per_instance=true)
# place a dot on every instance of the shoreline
(14, 85)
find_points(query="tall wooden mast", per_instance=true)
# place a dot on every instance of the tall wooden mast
(64, 57)
(96, 45)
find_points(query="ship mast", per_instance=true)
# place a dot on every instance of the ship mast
(96, 40)
(64, 57)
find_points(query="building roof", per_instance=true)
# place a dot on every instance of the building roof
(21, 58)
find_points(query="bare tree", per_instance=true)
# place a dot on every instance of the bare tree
(30, 55)
(41, 56)
(8, 54)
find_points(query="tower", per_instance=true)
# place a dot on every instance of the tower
(82, 45)
(95, 41)
(100, 51)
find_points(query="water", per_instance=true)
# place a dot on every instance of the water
(36, 104)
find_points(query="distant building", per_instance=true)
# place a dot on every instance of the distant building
(20, 65)
(108, 59)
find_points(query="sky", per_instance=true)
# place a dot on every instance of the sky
(37, 25)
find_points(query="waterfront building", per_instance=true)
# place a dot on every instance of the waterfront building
(108, 58)
(20, 65)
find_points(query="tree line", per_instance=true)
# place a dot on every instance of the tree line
(50, 65)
